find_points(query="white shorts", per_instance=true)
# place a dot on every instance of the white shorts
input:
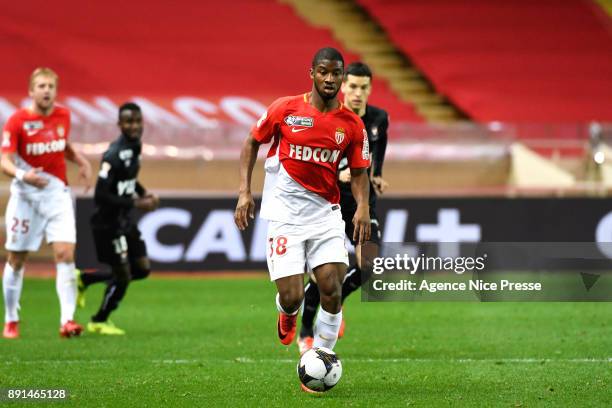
(291, 247)
(28, 219)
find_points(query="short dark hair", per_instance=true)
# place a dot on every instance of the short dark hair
(357, 69)
(327, 53)
(131, 106)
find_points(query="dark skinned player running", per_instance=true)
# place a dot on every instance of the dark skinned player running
(116, 236)
(310, 133)
(356, 87)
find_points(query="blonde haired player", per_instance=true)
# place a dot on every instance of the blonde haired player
(34, 148)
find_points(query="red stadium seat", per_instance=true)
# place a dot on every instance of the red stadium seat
(540, 61)
(161, 50)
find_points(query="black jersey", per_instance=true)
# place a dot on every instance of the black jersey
(376, 123)
(117, 184)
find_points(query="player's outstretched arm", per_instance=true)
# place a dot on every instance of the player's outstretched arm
(245, 208)
(7, 162)
(84, 166)
(360, 187)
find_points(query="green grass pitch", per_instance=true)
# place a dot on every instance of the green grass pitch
(212, 342)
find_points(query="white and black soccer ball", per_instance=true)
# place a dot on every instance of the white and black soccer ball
(319, 369)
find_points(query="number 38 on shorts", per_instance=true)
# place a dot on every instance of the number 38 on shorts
(293, 247)
(278, 246)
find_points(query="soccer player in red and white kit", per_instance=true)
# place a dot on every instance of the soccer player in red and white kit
(34, 148)
(310, 134)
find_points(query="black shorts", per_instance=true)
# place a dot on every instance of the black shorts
(115, 247)
(349, 228)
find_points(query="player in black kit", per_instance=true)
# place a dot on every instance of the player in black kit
(117, 238)
(356, 88)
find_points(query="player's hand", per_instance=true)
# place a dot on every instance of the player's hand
(146, 203)
(85, 175)
(155, 199)
(33, 177)
(363, 227)
(380, 185)
(245, 209)
(345, 175)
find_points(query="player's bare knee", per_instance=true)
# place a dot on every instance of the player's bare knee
(17, 265)
(16, 260)
(63, 255)
(331, 304)
(330, 291)
(291, 299)
(330, 286)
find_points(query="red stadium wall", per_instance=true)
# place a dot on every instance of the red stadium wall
(539, 61)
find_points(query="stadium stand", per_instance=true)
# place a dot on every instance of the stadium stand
(544, 61)
(358, 32)
(259, 49)
(606, 6)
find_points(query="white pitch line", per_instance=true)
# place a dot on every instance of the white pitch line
(412, 360)
(247, 360)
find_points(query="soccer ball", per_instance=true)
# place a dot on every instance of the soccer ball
(319, 369)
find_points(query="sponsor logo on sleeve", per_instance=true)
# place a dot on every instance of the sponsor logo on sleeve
(261, 119)
(104, 169)
(6, 138)
(365, 150)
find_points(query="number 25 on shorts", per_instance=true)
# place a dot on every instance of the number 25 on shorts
(281, 245)
(22, 226)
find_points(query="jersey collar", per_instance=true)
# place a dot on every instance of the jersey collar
(307, 96)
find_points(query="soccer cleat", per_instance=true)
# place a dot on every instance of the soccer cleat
(341, 331)
(286, 327)
(80, 289)
(304, 344)
(309, 391)
(71, 329)
(107, 328)
(11, 330)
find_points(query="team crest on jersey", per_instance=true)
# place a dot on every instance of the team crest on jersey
(299, 121)
(61, 131)
(365, 150)
(126, 155)
(33, 126)
(339, 135)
